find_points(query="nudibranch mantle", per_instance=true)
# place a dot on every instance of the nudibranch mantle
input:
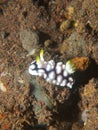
(55, 73)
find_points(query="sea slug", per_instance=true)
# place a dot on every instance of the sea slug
(55, 73)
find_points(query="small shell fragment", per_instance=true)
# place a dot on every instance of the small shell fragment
(65, 25)
(2, 86)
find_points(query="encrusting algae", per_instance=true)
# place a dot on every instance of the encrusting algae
(81, 63)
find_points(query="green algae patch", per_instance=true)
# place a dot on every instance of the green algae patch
(41, 95)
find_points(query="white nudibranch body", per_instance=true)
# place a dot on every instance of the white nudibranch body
(54, 73)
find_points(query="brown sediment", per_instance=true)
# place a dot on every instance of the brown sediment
(89, 98)
(24, 106)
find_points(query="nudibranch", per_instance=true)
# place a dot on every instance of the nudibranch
(55, 73)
